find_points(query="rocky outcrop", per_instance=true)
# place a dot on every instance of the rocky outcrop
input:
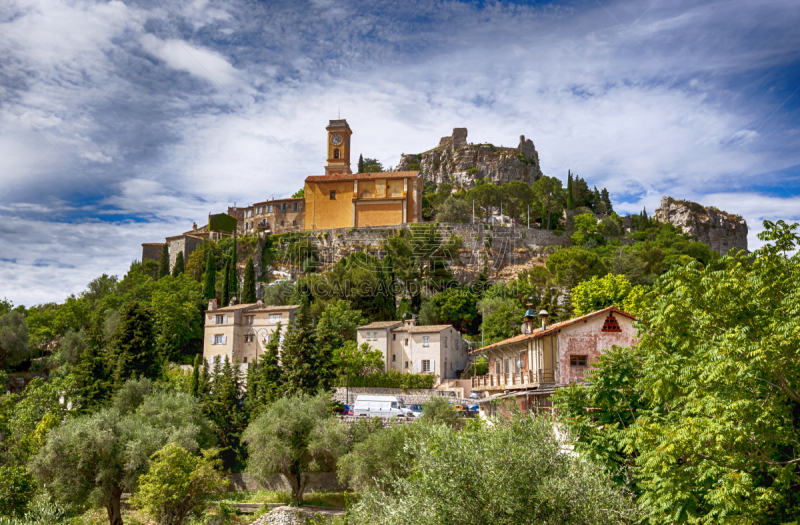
(455, 160)
(720, 230)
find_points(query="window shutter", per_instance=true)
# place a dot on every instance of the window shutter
(433, 366)
(212, 339)
(224, 319)
(224, 339)
(213, 319)
(419, 365)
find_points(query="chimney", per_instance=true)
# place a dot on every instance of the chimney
(194, 226)
(233, 301)
(212, 304)
(543, 314)
(529, 315)
(409, 323)
(260, 303)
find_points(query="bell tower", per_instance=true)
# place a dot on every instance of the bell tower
(338, 147)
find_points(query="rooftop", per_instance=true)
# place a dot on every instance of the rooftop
(423, 329)
(553, 328)
(287, 199)
(255, 307)
(364, 176)
(380, 324)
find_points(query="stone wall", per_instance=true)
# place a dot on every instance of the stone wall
(152, 251)
(455, 160)
(186, 244)
(320, 482)
(720, 230)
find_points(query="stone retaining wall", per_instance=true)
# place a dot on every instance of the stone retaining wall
(320, 482)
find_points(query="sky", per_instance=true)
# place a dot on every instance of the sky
(125, 122)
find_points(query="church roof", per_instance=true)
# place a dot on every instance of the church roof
(364, 176)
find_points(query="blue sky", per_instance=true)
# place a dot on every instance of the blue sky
(124, 122)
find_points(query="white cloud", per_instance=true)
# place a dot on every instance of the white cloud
(96, 156)
(198, 61)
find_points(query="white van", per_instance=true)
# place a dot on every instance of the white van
(381, 406)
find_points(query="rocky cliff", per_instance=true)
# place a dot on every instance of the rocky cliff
(720, 230)
(457, 161)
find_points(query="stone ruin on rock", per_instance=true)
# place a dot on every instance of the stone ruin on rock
(720, 230)
(455, 160)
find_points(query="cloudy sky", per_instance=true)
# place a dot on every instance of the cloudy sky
(124, 122)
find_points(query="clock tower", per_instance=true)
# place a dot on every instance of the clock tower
(338, 147)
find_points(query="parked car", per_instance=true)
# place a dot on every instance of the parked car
(474, 395)
(381, 406)
(348, 410)
(416, 409)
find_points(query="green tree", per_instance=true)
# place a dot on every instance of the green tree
(249, 288)
(548, 191)
(338, 323)
(361, 164)
(265, 378)
(371, 165)
(299, 194)
(178, 484)
(352, 361)
(454, 210)
(502, 318)
(525, 477)
(132, 349)
(720, 373)
(486, 196)
(295, 436)
(17, 488)
(439, 411)
(210, 277)
(601, 292)
(570, 200)
(569, 266)
(515, 194)
(307, 366)
(94, 458)
(225, 296)
(177, 304)
(13, 338)
(163, 268)
(456, 306)
(225, 408)
(178, 269)
(194, 387)
(93, 372)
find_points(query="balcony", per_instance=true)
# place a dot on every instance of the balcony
(524, 379)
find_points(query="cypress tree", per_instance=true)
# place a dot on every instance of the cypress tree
(195, 384)
(570, 198)
(225, 409)
(300, 358)
(233, 285)
(179, 266)
(92, 372)
(226, 282)
(361, 164)
(607, 199)
(265, 378)
(249, 289)
(209, 285)
(133, 345)
(163, 269)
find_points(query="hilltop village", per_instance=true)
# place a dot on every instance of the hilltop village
(466, 321)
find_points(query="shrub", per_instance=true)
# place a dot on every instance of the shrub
(394, 379)
(178, 484)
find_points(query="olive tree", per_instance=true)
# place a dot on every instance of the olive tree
(516, 471)
(295, 436)
(96, 457)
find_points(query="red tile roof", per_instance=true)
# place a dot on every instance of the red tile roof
(554, 328)
(364, 176)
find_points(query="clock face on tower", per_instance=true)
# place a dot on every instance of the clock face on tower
(336, 139)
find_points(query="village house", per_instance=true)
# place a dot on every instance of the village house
(408, 348)
(242, 331)
(274, 216)
(529, 367)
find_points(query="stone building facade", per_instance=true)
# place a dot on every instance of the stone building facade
(527, 368)
(408, 348)
(241, 332)
(152, 251)
(185, 243)
(273, 216)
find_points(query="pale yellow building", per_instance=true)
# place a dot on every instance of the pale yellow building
(241, 332)
(408, 348)
(342, 199)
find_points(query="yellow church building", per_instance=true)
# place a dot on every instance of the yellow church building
(343, 199)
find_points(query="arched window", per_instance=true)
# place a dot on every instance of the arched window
(336, 153)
